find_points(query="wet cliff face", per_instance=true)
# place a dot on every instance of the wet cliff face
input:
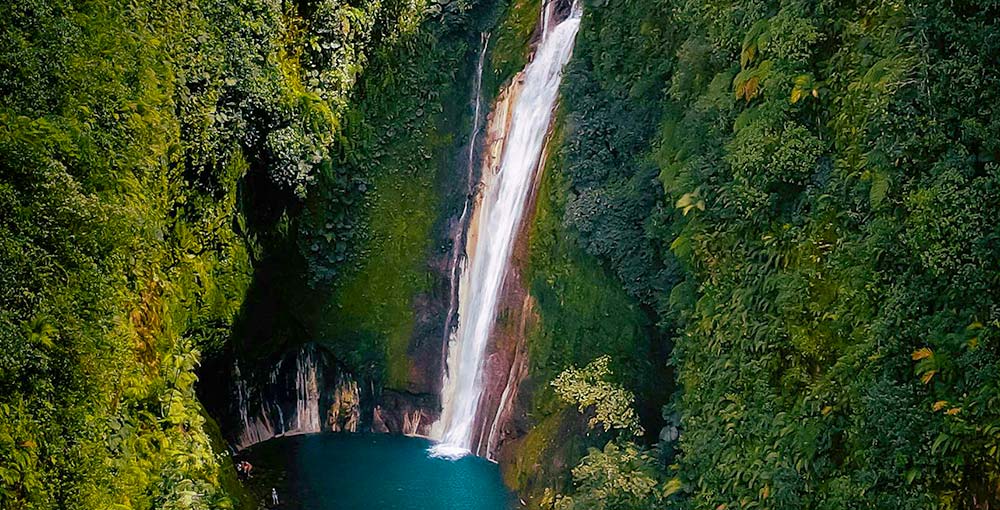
(302, 391)
(405, 413)
(307, 390)
(259, 397)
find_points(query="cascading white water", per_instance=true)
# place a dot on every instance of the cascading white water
(498, 220)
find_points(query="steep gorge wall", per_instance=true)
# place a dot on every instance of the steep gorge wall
(307, 390)
(509, 428)
(560, 309)
(304, 391)
(380, 326)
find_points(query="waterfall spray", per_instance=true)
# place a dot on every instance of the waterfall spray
(502, 208)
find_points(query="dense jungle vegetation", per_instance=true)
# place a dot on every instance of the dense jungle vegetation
(154, 155)
(770, 227)
(806, 194)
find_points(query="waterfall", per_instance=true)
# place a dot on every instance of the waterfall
(497, 223)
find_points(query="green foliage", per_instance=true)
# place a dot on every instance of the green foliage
(117, 256)
(378, 298)
(395, 155)
(133, 136)
(583, 311)
(513, 34)
(583, 314)
(610, 96)
(829, 175)
(588, 387)
(334, 229)
(619, 477)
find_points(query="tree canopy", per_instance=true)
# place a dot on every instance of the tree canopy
(825, 175)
